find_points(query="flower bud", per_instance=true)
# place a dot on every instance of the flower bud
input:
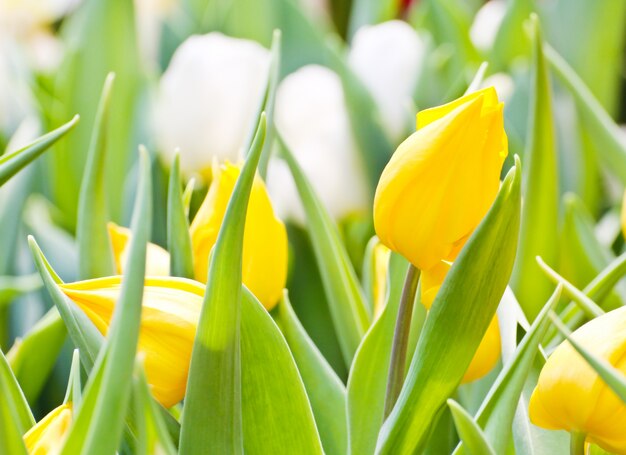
(157, 259)
(48, 435)
(441, 181)
(264, 242)
(208, 98)
(169, 319)
(571, 396)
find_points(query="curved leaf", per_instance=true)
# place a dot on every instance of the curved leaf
(469, 431)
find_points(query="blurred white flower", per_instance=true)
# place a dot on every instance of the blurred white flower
(22, 17)
(312, 118)
(387, 58)
(486, 24)
(207, 99)
(503, 83)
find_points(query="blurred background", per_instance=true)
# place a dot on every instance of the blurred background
(190, 75)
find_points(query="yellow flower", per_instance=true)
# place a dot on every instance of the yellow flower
(265, 237)
(48, 435)
(169, 319)
(487, 354)
(623, 215)
(571, 396)
(380, 258)
(441, 181)
(157, 259)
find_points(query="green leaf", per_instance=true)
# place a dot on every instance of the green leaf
(78, 84)
(95, 257)
(33, 357)
(367, 383)
(14, 286)
(458, 319)
(178, 238)
(497, 411)
(13, 399)
(604, 133)
(212, 420)
(12, 163)
(470, 433)
(100, 420)
(540, 212)
(369, 12)
(276, 414)
(74, 392)
(609, 374)
(346, 300)
(325, 390)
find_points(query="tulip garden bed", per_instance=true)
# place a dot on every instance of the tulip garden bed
(312, 227)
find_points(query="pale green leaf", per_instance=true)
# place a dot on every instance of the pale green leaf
(13, 398)
(178, 237)
(469, 431)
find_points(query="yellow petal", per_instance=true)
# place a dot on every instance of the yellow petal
(265, 236)
(623, 215)
(595, 410)
(441, 181)
(169, 319)
(432, 279)
(381, 264)
(157, 259)
(48, 435)
(487, 355)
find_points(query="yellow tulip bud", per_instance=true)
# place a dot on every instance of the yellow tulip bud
(571, 396)
(157, 259)
(48, 435)
(441, 181)
(381, 264)
(487, 354)
(169, 319)
(265, 236)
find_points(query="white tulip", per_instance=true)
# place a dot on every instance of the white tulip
(486, 24)
(207, 99)
(387, 57)
(311, 115)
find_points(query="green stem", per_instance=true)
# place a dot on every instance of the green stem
(577, 443)
(400, 339)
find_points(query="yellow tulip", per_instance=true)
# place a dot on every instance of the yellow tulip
(157, 259)
(571, 396)
(380, 258)
(441, 181)
(487, 355)
(623, 215)
(169, 319)
(265, 236)
(48, 435)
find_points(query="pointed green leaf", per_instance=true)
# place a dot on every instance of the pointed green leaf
(325, 390)
(276, 414)
(470, 433)
(178, 238)
(12, 163)
(74, 392)
(11, 441)
(347, 304)
(540, 211)
(13, 398)
(604, 133)
(368, 376)
(95, 258)
(457, 321)
(33, 357)
(100, 420)
(212, 409)
(497, 411)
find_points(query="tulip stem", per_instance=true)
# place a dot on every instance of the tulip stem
(577, 443)
(397, 364)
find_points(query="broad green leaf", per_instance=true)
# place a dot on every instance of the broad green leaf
(212, 418)
(13, 399)
(152, 434)
(11, 441)
(540, 211)
(325, 390)
(12, 163)
(347, 304)
(470, 433)
(100, 420)
(497, 411)
(603, 132)
(32, 357)
(14, 286)
(95, 258)
(78, 84)
(276, 414)
(458, 319)
(609, 374)
(178, 238)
